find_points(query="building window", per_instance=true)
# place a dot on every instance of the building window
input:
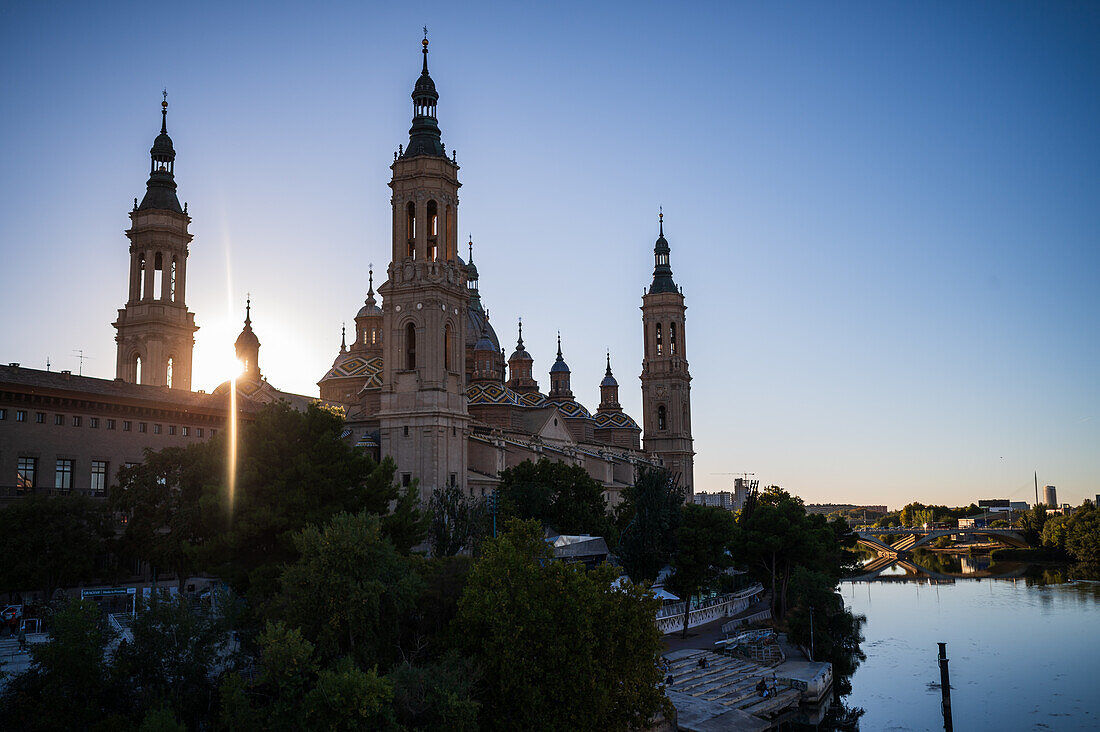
(433, 231)
(448, 343)
(125, 426)
(142, 427)
(93, 422)
(40, 418)
(406, 431)
(662, 422)
(20, 415)
(27, 472)
(168, 373)
(452, 479)
(76, 421)
(410, 227)
(63, 477)
(99, 478)
(171, 429)
(156, 429)
(198, 432)
(59, 419)
(406, 480)
(110, 424)
(186, 431)
(659, 343)
(213, 432)
(3, 414)
(672, 339)
(410, 346)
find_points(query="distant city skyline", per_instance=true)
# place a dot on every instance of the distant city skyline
(885, 220)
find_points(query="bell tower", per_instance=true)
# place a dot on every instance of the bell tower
(156, 333)
(423, 417)
(666, 381)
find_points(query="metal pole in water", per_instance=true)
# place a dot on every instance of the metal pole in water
(945, 688)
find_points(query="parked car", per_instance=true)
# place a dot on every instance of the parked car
(12, 612)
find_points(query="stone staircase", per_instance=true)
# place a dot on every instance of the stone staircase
(730, 681)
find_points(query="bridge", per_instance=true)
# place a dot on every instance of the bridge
(913, 538)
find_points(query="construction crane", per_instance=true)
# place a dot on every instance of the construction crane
(744, 476)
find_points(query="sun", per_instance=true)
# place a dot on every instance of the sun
(213, 360)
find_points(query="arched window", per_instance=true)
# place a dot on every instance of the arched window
(168, 374)
(172, 281)
(659, 342)
(433, 231)
(410, 346)
(137, 369)
(662, 422)
(448, 343)
(450, 234)
(158, 277)
(373, 336)
(139, 278)
(410, 227)
(672, 339)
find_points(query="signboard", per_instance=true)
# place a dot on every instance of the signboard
(108, 592)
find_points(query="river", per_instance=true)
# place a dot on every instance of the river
(1024, 650)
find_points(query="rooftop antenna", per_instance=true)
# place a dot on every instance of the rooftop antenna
(1036, 487)
(79, 355)
(47, 363)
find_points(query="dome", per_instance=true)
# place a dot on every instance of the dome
(559, 367)
(609, 380)
(425, 86)
(474, 320)
(368, 310)
(484, 344)
(471, 271)
(163, 145)
(247, 338)
(520, 354)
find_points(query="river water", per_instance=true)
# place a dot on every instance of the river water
(1024, 650)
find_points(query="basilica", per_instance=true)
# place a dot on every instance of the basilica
(424, 380)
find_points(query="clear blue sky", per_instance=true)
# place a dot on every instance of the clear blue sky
(884, 216)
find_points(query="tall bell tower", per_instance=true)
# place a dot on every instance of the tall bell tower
(156, 333)
(423, 418)
(666, 381)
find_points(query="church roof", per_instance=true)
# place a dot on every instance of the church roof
(160, 191)
(354, 365)
(662, 270)
(492, 394)
(615, 420)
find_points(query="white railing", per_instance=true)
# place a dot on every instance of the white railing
(671, 617)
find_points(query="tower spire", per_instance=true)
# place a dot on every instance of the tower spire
(608, 372)
(164, 114)
(519, 341)
(662, 270)
(161, 189)
(424, 137)
(343, 338)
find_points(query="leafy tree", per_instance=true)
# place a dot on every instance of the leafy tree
(458, 522)
(169, 663)
(558, 646)
(1083, 534)
(291, 691)
(67, 685)
(1054, 532)
(293, 470)
(160, 498)
(836, 632)
(702, 553)
(406, 525)
(1032, 522)
(349, 591)
(52, 541)
(427, 631)
(779, 535)
(650, 516)
(438, 696)
(563, 496)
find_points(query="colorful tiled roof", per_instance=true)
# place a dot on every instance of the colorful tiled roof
(354, 365)
(572, 409)
(613, 420)
(492, 394)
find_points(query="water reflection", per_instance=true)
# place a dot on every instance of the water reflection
(1023, 647)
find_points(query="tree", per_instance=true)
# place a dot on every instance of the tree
(650, 516)
(160, 498)
(406, 525)
(438, 696)
(170, 662)
(67, 685)
(52, 541)
(1083, 534)
(779, 535)
(458, 521)
(349, 591)
(1054, 532)
(558, 646)
(563, 496)
(702, 553)
(1032, 523)
(293, 470)
(292, 691)
(818, 607)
